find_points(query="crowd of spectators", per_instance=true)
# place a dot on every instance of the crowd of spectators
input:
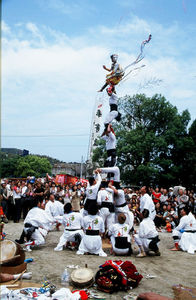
(167, 204)
(17, 197)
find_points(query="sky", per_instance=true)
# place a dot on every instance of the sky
(52, 57)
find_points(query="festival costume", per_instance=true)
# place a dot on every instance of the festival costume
(147, 236)
(147, 203)
(73, 223)
(91, 241)
(185, 233)
(105, 201)
(110, 139)
(113, 114)
(115, 170)
(122, 207)
(91, 194)
(55, 208)
(36, 226)
(120, 238)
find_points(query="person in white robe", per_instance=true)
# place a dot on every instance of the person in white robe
(93, 226)
(110, 139)
(91, 192)
(147, 237)
(55, 209)
(184, 234)
(120, 236)
(105, 201)
(73, 223)
(115, 170)
(36, 226)
(121, 205)
(146, 202)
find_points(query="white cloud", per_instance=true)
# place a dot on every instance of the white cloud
(5, 28)
(50, 80)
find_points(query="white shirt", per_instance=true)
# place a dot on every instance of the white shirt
(113, 99)
(147, 203)
(55, 208)
(92, 190)
(94, 223)
(105, 195)
(73, 220)
(120, 197)
(147, 229)
(187, 222)
(119, 230)
(110, 140)
(39, 218)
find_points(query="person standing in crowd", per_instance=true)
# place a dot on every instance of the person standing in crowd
(147, 203)
(164, 197)
(75, 199)
(156, 195)
(24, 203)
(17, 202)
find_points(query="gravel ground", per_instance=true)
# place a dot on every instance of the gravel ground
(171, 268)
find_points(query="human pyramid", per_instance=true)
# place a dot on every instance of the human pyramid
(105, 213)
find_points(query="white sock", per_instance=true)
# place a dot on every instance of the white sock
(24, 276)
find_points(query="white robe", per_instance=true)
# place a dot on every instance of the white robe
(119, 200)
(147, 230)
(147, 203)
(73, 221)
(39, 218)
(119, 230)
(106, 195)
(187, 239)
(55, 208)
(92, 243)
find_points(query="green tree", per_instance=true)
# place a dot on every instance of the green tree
(32, 165)
(152, 141)
(8, 164)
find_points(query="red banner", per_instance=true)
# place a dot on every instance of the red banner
(67, 179)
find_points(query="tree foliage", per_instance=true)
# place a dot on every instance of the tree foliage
(19, 166)
(154, 145)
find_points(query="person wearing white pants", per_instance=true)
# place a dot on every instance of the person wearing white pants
(106, 203)
(73, 223)
(93, 226)
(147, 238)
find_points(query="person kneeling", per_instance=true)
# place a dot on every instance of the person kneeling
(147, 238)
(73, 224)
(36, 226)
(120, 237)
(93, 226)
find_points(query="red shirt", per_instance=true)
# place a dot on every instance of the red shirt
(156, 197)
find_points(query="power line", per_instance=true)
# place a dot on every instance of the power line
(42, 136)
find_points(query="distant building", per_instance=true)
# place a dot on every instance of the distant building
(73, 169)
(15, 151)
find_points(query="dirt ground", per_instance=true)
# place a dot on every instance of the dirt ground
(171, 268)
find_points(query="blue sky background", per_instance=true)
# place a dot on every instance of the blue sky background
(52, 57)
